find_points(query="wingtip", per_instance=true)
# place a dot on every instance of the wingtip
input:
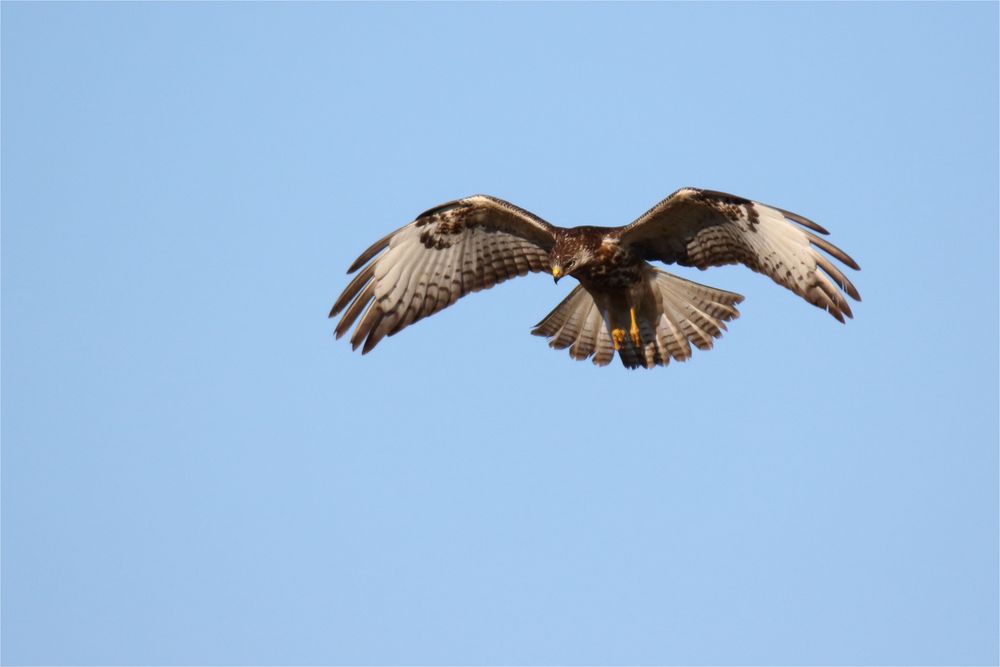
(805, 222)
(338, 306)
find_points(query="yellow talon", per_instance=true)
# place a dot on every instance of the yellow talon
(634, 330)
(618, 337)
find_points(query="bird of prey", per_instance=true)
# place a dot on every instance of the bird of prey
(622, 303)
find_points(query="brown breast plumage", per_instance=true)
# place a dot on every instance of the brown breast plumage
(613, 267)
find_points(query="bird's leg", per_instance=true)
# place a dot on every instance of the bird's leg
(618, 338)
(617, 333)
(634, 329)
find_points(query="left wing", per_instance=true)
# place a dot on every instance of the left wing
(705, 228)
(463, 246)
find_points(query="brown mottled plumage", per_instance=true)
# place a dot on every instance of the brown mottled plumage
(622, 303)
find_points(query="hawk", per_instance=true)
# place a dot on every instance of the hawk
(622, 303)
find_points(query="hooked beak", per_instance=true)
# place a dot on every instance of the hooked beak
(556, 273)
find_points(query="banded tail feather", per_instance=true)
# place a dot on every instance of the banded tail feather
(673, 315)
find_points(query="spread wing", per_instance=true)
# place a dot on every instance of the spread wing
(705, 228)
(453, 249)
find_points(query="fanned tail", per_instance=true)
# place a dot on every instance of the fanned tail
(674, 314)
(577, 323)
(671, 315)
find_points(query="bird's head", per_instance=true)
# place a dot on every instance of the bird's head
(571, 252)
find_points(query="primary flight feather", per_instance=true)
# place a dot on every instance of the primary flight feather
(622, 303)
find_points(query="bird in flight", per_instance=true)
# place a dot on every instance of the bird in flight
(623, 303)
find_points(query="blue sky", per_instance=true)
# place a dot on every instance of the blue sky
(194, 471)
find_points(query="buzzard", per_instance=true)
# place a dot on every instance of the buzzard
(623, 303)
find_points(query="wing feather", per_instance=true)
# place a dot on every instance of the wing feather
(356, 285)
(357, 306)
(450, 250)
(704, 228)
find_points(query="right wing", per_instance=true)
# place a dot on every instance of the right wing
(705, 228)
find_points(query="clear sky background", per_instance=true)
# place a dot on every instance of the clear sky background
(194, 471)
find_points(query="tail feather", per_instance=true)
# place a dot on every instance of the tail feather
(586, 342)
(555, 320)
(671, 323)
(605, 346)
(671, 313)
(652, 352)
(632, 356)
